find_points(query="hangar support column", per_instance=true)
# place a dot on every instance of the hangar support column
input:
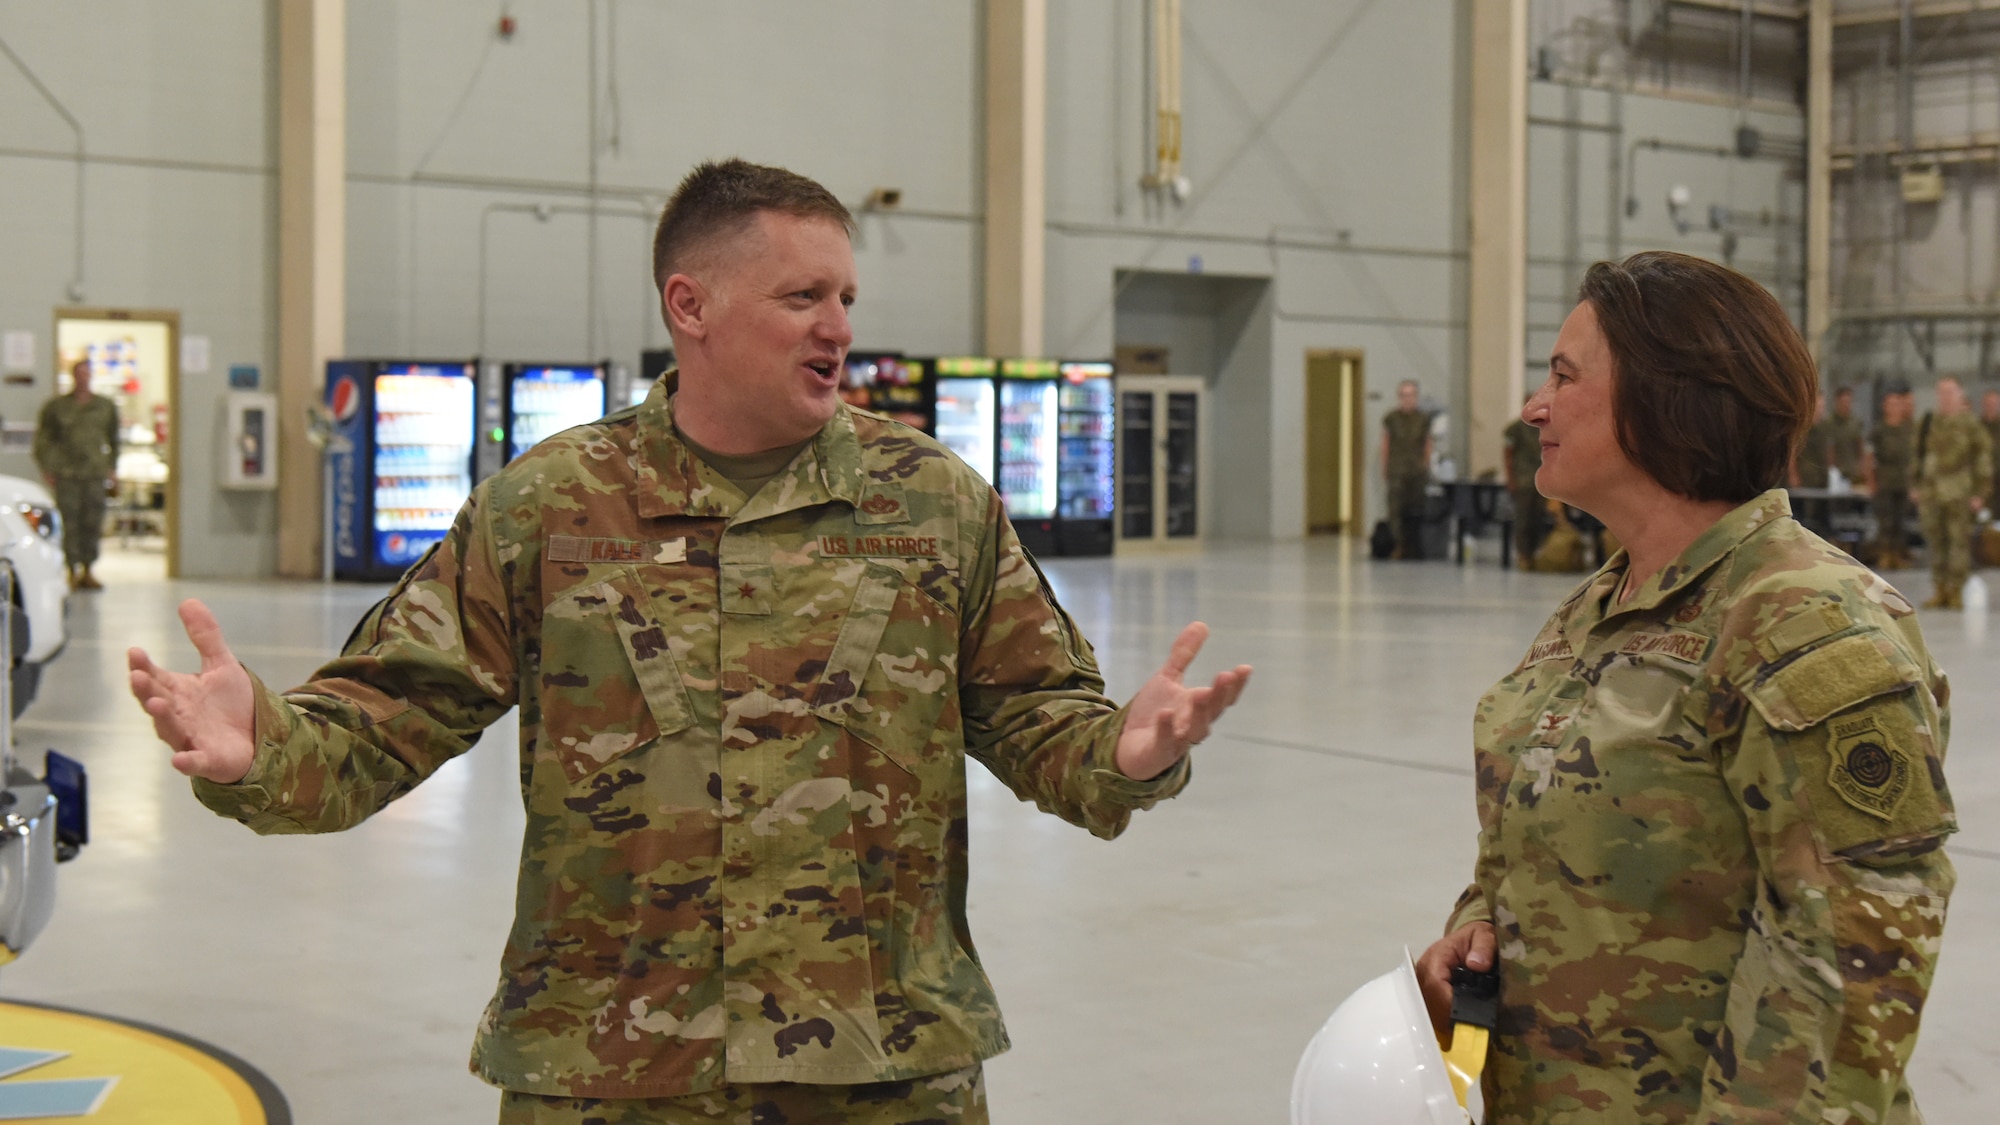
(312, 254)
(1497, 308)
(1819, 173)
(1016, 174)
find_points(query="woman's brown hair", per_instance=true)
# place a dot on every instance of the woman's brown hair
(1713, 390)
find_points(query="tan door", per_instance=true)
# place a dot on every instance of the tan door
(1335, 469)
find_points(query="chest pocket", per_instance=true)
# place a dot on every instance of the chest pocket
(609, 682)
(894, 669)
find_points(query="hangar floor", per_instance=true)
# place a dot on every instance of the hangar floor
(1171, 976)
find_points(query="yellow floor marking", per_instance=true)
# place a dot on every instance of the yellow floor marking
(160, 1081)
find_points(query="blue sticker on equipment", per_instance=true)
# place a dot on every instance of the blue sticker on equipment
(243, 376)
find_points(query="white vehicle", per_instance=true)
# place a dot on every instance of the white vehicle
(31, 539)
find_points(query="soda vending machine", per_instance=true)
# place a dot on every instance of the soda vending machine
(545, 399)
(892, 386)
(409, 430)
(1028, 431)
(966, 409)
(1086, 465)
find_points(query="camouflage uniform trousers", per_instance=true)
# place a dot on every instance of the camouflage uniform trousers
(1406, 510)
(955, 1098)
(1892, 537)
(1947, 527)
(1531, 522)
(81, 502)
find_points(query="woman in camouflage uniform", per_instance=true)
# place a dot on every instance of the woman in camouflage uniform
(1711, 795)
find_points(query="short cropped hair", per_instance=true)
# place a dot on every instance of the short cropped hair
(721, 198)
(1713, 388)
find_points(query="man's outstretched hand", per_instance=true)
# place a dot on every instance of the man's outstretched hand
(1167, 717)
(207, 718)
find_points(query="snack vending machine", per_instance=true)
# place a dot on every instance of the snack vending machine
(892, 386)
(1086, 465)
(409, 430)
(1028, 431)
(545, 399)
(966, 409)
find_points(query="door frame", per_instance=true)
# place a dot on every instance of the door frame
(1357, 464)
(171, 318)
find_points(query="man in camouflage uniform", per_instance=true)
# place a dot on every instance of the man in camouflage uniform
(1710, 859)
(1952, 486)
(1809, 470)
(753, 635)
(1893, 451)
(1406, 467)
(1522, 458)
(76, 447)
(1848, 443)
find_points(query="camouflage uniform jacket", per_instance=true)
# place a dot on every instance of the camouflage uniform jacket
(75, 439)
(1958, 459)
(1895, 448)
(1408, 431)
(1710, 828)
(1848, 440)
(744, 728)
(1815, 454)
(1523, 444)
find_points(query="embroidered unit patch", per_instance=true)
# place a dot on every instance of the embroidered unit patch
(1869, 770)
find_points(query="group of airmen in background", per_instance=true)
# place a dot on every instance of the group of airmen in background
(1945, 464)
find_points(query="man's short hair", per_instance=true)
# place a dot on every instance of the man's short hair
(722, 198)
(1713, 389)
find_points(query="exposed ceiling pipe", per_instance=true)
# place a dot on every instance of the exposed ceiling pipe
(76, 273)
(1166, 174)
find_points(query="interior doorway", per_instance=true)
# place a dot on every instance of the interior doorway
(1336, 449)
(135, 362)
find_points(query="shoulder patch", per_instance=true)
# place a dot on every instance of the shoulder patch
(1869, 769)
(1826, 680)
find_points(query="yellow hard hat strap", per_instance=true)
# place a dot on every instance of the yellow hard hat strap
(1466, 1057)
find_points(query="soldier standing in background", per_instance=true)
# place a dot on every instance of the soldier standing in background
(1406, 467)
(1522, 459)
(1989, 416)
(76, 447)
(1844, 433)
(1809, 470)
(752, 635)
(1952, 486)
(1892, 449)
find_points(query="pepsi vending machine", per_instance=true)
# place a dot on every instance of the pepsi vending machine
(1086, 469)
(410, 430)
(1028, 430)
(545, 399)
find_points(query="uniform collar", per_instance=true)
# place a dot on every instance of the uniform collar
(1693, 564)
(675, 482)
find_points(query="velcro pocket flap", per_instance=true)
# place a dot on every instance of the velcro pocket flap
(1831, 678)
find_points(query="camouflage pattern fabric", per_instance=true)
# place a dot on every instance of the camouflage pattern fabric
(1895, 449)
(81, 502)
(744, 727)
(1710, 829)
(77, 439)
(1523, 450)
(1993, 493)
(1408, 432)
(1846, 440)
(957, 1098)
(1957, 466)
(1815, 455)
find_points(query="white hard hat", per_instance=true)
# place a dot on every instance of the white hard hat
(1376, 1062)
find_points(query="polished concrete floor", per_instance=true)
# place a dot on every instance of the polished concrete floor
(1170, 976)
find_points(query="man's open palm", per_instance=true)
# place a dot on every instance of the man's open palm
(207, 718)
(1167, 717)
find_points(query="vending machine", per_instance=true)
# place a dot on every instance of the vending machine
(1086, 463)
(1028, 431)
(966, 409)
(892, 386)
(545, 399)
(404, 464)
